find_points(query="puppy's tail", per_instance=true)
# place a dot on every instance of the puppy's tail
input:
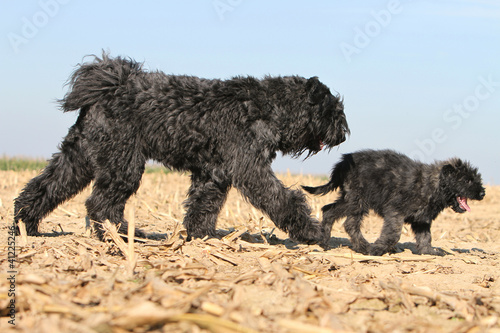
(319, 190)
(337, 178)
(98, 81)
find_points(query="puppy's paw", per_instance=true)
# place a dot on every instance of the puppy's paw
(325, 244)
(363, 248)
(378, 249)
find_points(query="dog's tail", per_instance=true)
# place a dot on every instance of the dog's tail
(337, 178)
(97, 81)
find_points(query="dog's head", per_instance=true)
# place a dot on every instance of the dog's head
(309, 117)
(460, 181)
(328, 126)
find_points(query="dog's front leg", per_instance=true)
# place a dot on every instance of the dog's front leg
(423, 238)
(287, 208)
(205, 200)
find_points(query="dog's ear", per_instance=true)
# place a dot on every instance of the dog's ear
(316, 91)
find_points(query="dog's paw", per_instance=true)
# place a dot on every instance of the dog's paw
(137, 232)
(29, 231)
(310, 235)
(200, 234)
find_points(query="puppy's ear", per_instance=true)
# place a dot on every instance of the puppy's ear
(454, 165)
(446, 176)
(316, 91)
(447, 169)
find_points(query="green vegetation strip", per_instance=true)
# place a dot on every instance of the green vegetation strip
(25, 163)
(20, 163)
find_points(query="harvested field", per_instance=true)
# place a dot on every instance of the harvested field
(251, 279)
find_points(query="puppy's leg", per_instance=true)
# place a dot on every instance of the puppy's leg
(331, 213)
(390, 235)
(423, 238)
(205, 200)
(67, 173)
(352, 226)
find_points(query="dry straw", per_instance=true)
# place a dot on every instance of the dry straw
(238, 282)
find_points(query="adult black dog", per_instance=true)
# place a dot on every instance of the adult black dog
(225, 132)
(400, 190)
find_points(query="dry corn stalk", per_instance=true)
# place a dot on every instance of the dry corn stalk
(128, 251)
(22, 231)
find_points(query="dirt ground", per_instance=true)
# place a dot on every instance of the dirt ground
(251, 279)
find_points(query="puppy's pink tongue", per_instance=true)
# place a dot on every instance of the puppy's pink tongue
(462, 201)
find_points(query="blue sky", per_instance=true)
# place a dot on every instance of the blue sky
(420, 77)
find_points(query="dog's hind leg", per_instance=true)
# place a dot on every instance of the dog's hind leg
(352, 226)
(118, 173)
(331, 213)
(67, 173)
(205, 200)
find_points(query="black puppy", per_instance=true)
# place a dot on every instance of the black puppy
(400, 190)
(225, 132)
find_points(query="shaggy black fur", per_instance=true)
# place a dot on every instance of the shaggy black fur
(226, 133)
(400, 190)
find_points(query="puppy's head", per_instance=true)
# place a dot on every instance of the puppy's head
(460, 181)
